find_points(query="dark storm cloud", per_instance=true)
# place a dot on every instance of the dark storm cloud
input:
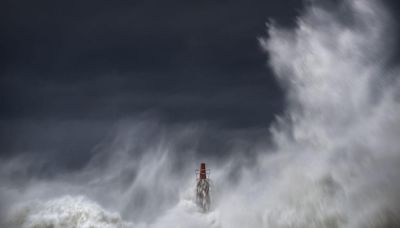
(71, 69)
(68, 52)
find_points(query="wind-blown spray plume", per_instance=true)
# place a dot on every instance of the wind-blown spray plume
(335, 161)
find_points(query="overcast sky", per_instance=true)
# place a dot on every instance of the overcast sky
(70, 70)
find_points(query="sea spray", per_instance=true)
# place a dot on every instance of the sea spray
(334, 161)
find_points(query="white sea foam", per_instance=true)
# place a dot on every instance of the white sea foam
(65, 212)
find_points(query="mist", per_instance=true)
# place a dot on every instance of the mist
(330, 160)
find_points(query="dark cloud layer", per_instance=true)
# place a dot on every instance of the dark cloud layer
(96, 59)
(71, 70)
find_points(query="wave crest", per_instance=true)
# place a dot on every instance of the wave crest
(66, 212)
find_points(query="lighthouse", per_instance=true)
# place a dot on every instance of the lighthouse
(203, 188)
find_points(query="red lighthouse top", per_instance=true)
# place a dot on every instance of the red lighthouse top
(203, 171)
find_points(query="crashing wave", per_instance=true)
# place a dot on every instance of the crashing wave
(66, 212)
(335, 162)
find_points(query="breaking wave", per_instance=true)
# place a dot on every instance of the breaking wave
(334, 162)
(66, 211)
